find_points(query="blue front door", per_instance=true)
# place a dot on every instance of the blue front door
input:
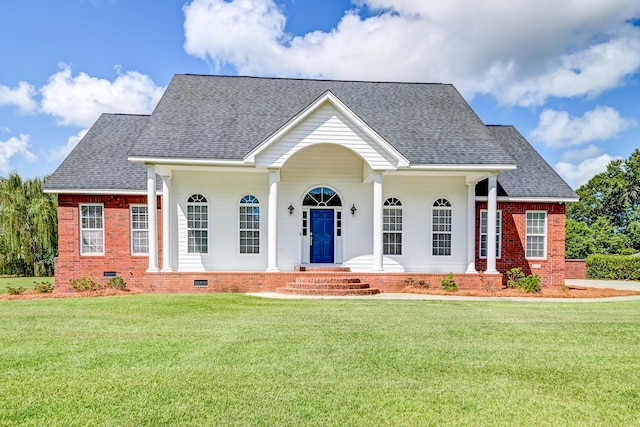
(322, 235)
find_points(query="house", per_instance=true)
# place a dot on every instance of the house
(239, 183)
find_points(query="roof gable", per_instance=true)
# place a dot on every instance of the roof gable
(347, 130)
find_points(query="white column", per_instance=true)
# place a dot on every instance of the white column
(471, 228)
(272, 230)
(166, 223)
(152, 210)
(492, 209)
(377, 222)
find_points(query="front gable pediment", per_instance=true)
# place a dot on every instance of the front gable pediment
(327, 121)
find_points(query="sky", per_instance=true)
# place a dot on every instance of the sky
(566, 74)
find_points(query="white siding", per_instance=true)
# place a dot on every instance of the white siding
(325, 125)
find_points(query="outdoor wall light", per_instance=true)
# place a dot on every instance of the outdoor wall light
(291, 209)
(353, 209)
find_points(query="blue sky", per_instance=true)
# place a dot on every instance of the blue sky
(566, 75)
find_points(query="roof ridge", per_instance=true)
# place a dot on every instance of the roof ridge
(316, 79)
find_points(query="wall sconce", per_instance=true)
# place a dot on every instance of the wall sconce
(291, 209)
(353, 209)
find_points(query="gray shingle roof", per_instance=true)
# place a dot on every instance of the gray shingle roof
(533, 177)
(99, 161)
(221, 117)
(226, 117)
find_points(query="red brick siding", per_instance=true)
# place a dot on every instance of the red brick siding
(575, 269)
(262, 281)
(117, 241)
(551, 269)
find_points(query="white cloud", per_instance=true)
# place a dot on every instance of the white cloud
(14, 146)
(559, 129)
(522, 52)
(579, 174)
(581, 154)
(21, 96)
(79, 100)
(61, 152)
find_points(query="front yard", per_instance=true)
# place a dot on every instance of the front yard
(223, 359)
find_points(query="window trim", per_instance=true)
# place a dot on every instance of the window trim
(80, 207)
(386, 207)
(544, 235)
(435, 207)
(242, 204)
(204, 203)
(131, 229)
(498, 234)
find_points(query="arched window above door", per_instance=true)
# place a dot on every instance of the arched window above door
(322, 196)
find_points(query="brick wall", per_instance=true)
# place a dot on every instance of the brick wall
(117, 253)
(551, 269)
(575, 269)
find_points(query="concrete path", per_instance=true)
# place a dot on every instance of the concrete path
(624, 285)
(423, 297)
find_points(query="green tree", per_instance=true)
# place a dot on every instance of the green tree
(605, 220)
(28, 227)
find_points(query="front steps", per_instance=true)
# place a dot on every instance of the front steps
(326, 280)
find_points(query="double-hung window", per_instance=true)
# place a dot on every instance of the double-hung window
(536, 234)
(139, 230)
(91, 229)
(441, 227)
(249, 225)
(197, 224)
(392, 227)
(484, 232)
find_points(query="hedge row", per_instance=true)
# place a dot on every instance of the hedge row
(616, 267)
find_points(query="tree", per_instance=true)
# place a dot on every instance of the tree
(608, 211)
(28, 227)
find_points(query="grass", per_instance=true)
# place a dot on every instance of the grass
(27, 283)
(222, 359)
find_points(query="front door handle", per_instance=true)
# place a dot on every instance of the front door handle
(310, 238)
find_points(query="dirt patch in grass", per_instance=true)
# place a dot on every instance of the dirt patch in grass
(56, 294)
(552, 292)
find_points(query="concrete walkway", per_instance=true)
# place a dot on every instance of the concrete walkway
(610, 284)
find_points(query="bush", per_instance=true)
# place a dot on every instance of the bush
(117, 283)
(448, 284)
(615, 267)
(15, 291)
(44, 288)
(518, 280)
(84, 283)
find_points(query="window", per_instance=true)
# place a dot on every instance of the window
(441, 227)
(197, 225)
(483, 233)
(322, 196)
(536, 234)
(139, 230)
(91, 230)
(392, 227)
(249, 225)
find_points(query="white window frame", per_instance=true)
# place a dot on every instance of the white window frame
(439, 205)
(247, 202)
(89, 230)
(537, 234)
(202, 202)
(484, 212)
(392, 208)
(136, 231)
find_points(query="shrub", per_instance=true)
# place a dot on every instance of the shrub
(16, 291)
(117, 283)
(84, 283)
(615, 267)
(448, 284)
(518, 280)
(43, 288)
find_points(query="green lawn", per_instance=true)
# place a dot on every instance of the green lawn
(21, 282)
(221, 359)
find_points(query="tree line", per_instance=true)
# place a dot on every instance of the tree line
(606, 220)
(28, 227)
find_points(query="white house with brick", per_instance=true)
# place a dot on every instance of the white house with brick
(241, 183)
